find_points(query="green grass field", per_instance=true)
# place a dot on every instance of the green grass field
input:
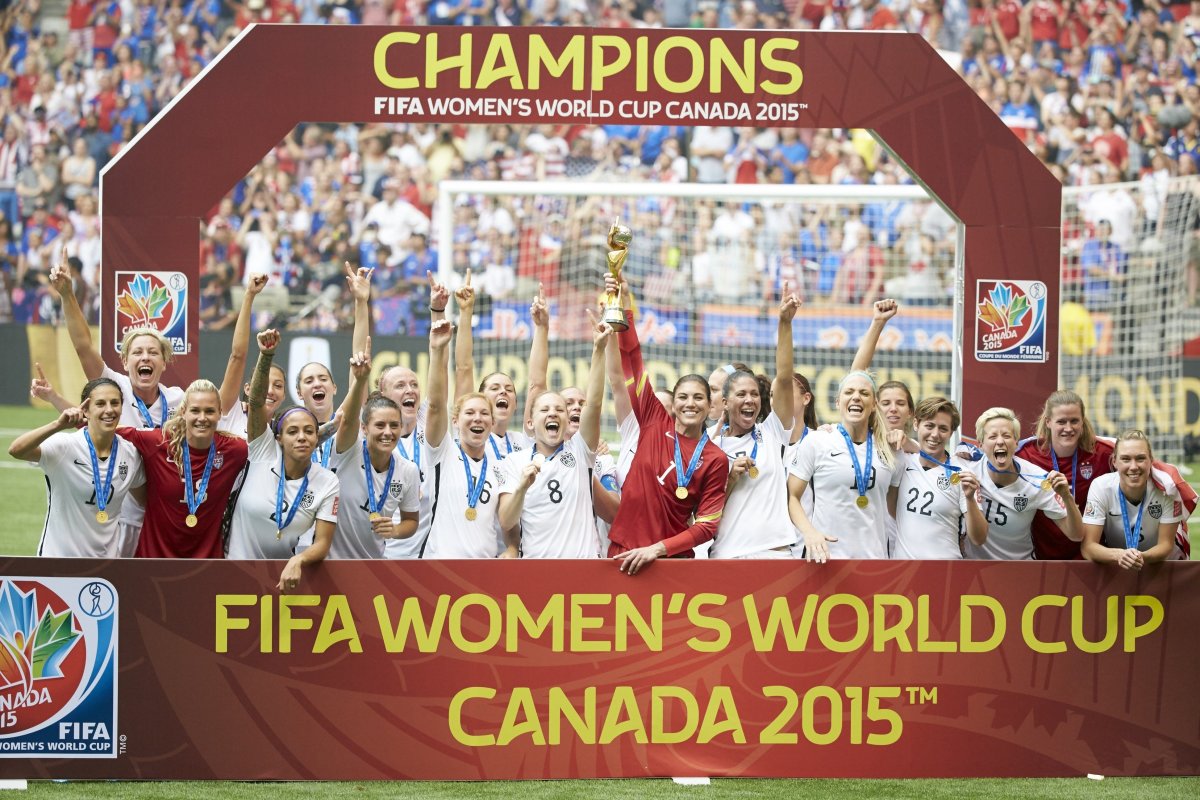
(22, 506)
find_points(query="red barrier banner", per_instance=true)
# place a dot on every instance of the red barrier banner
(499, 670)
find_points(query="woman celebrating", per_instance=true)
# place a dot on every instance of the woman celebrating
(234, 412)
(756, 523)
(464, 524)
(379, 492)
(1001, 494)
(191, 468)
(929, 507)
(546, 499)
(1065, 442)
(89, 473)
(677, 474)
(284, 494)
(852, 470)
(1131, 515)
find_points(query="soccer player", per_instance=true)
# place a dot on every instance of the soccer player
(235, 411)
(928, 509)
(284, 494)
(1065, 442)
(1132, 514)
(546, 498)
(90, 471)
(379, 492)
(1001, 494)
(756, 523)
(852, 470)
(677, 473)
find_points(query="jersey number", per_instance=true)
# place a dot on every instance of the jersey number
(91, 501)
(555, 488)
(914, 497)
(1001, 518)
(870, 482)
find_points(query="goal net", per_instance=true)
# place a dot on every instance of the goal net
(706, 265)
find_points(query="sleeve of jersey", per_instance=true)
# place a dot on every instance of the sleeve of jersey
(1096, 510)
(139, 442)
(708, 511)
(646, 407)
(327, 510)
(410, 500)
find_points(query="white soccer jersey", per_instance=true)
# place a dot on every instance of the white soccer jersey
(928, 511)
(414, 450)
(71, 529)
(824, 462)
(630, 431)
(501, 447)
(254, 530)
(756, 515)
(557, 520)
(451, 534)
(1009, 511)
(354, 537)
(1104, 508)
(237, 421)
(806, 499)
(606, 471)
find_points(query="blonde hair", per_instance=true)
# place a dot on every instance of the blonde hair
(461, 401)
(1065, 397)
(1133, 435)
(997, 413)
(876, 423)
(175, 429)
(163, 344)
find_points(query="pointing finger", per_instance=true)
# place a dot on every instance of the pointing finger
(38, 366)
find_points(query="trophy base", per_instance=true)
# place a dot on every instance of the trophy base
(615, 319)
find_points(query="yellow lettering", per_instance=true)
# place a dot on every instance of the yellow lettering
(499, 49)
(225, 623)
(769, 61)
(584, 725)
(885, 633)
(435, 64)
(337, 610)
(701, 620)
(627, 613)
(492, 625)
(1153, 408)
(395, 637)
(924, 643)
(1111, 624)
(658, 715)
(861, 626)
(581, 623)
(521, 719)
(456, 704)
(1134, 631)
(288, 623)
(660, 64)
(602, 68)
(381, 51)
(779, 619)
(623, 717)
(540, 56)
(1027, 633)
(721, 716)
(967, 643)
(742, 73)
(519, 618)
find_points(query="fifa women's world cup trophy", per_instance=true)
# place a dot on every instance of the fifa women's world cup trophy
(619, 238)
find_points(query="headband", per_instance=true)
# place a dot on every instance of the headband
(284, 415)
(729, 369)
(867, 375)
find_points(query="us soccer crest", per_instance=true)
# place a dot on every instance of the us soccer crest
(1020, 503)
(567, 459)
(394, 489)
(1010, 321)
(155, 300)
(943, 482)
(1086, 471)
(123, 470)
(218, 459)
(58, 668)
(1155, 509)
(307, 501)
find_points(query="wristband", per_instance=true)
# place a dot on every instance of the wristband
(441, 310)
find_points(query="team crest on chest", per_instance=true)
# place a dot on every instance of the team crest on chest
(123, 470)
(1086, 472)
(394, 488)
(943, 482)
(307, 501)
(1020, 503)
(1155, 509)
(218, 460)
(567, 459)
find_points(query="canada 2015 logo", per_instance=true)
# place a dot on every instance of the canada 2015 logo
(58, 668)
(1010, 321)
(155, 300)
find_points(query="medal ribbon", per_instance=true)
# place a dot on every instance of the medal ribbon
(321, 454)
(533, 452)
(1036, 480)
(861, 476)
(190, 492)
(683, 478)
(144, 410)
(496, 449)
(102, 488)
(474, 487)
(374, 506)
(279, 518)
(1074, 466)
(416, 456)
(946, 465)
(754, 436)
(1133, 536)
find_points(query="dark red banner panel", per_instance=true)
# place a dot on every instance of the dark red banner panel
(499, 670)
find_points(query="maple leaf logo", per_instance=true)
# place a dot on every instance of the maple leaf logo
(141, 303)
(1000, 311)
(30, 648)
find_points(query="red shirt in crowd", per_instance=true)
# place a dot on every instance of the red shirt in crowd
(650, 512)
(1049, 543)
(79, 14)
(165, 533)
(1043, 20)
(1008, 17)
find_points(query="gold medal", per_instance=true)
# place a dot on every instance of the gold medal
(471, 514)
(752, 472)
(278, 535)
(374, 515)
(862, 501)
(191, 521)
(101, 516)
(1046, 484)
(681, 493)
(955, 478)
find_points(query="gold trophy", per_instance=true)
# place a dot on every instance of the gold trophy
(619, 237)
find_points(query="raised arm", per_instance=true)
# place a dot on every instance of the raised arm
(464, 347)
(637, 381)
(589, 422)
(782, 399)
(437, 416)
(616, 374)
(231, 384)
(539, 353)
(360, 376)
(884, 310)
(360, 287)
(40, 389)
(268, 340)
(77, 327)
(28, 446)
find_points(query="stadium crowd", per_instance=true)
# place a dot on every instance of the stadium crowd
(1102, 91)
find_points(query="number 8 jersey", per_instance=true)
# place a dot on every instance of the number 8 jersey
(557, 520)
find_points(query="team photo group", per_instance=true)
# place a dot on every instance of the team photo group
(730, 465)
